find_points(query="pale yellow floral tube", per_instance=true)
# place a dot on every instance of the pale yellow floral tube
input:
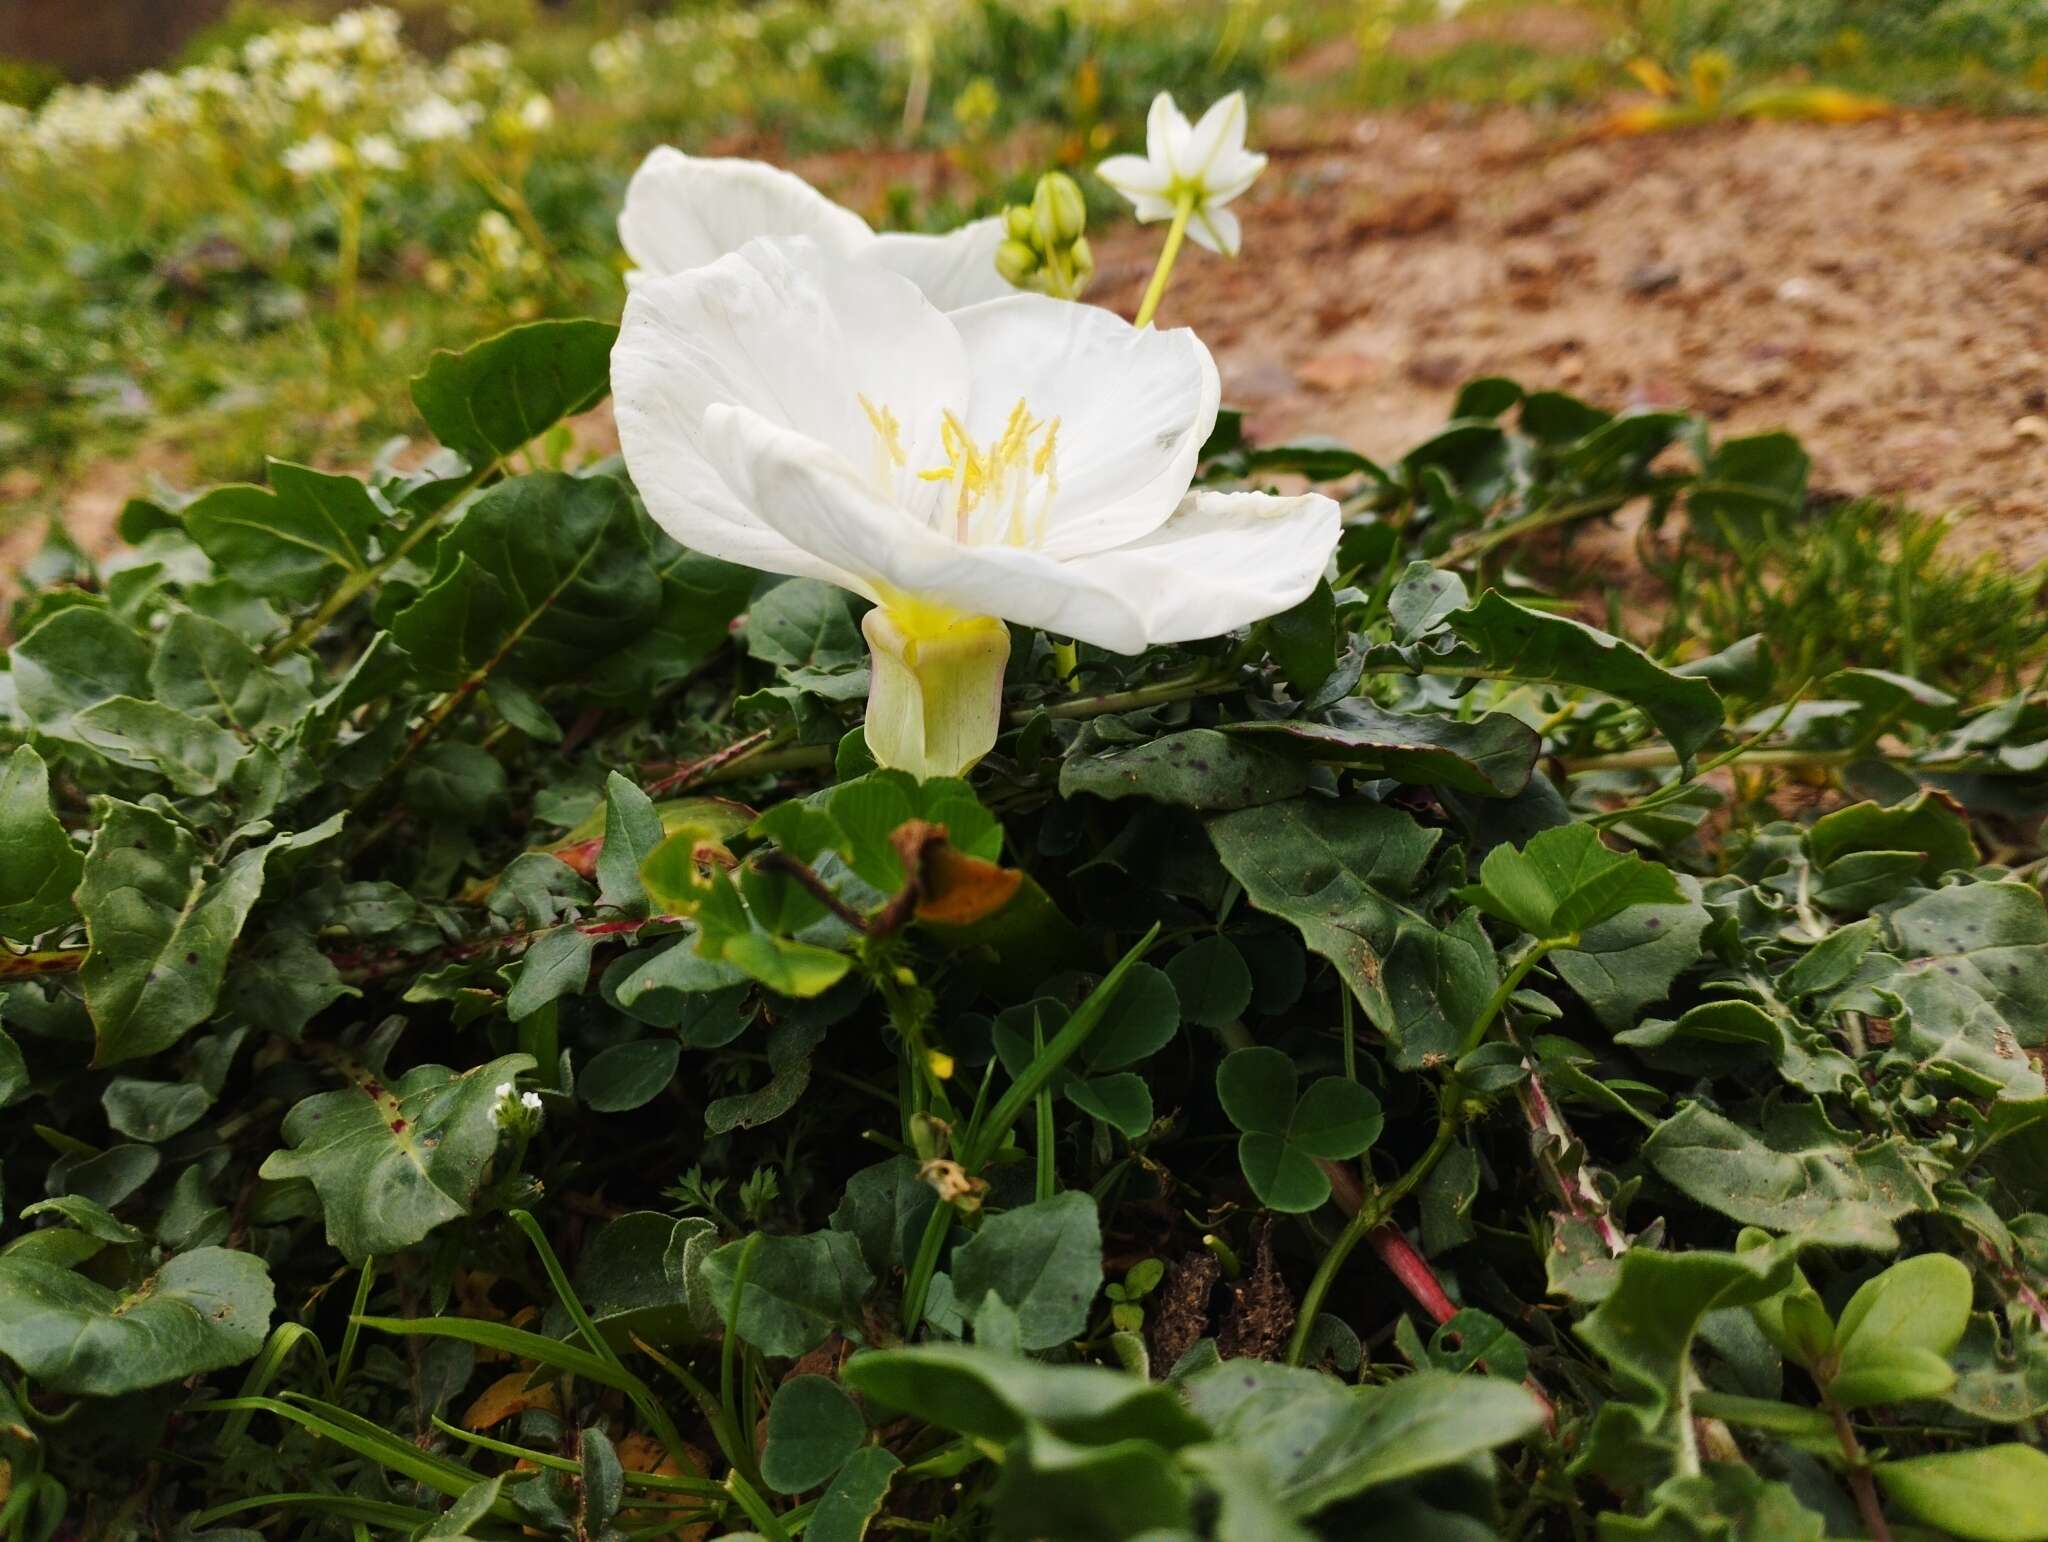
(935, 694)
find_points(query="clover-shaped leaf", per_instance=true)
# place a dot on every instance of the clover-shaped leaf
(1285, 1130)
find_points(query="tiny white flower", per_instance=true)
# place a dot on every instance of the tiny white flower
(683, 211)
(433, 119)
(530, 1101)
(1205, 163)
(536, 113)
(1025, 459)
(504, 1090)
(379, 152)
(313, 157)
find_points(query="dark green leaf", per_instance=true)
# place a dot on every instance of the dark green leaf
(201, 1311)
(159, 931)
(494, 396)
(1491, 755)
(543, 576)
(392, 1163)
(1199, 768)
(293, 541)
(1044, 1261)
(42, 866)
(797, 1290)
(813, 1427)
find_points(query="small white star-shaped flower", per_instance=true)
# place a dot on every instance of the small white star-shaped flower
(1204, 162)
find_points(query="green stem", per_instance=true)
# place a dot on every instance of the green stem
(346, 1359)
(922, 1267)
(1480, 542)
(1860, 1481)
(728, 1360)
(356, 583)
(1048, 1179)
(1168, 254)
(1531, 956)
(1355, 1231)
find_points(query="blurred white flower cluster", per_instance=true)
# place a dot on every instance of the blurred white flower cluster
(317, 101)
(714, 46)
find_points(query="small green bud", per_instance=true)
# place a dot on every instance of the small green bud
(1058, 210)
(1081, 258)
(1016, 262)
(1017, 222)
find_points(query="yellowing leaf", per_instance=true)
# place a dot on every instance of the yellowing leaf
(508, 1395)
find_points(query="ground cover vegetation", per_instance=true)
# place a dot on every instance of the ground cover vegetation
(515, 1020)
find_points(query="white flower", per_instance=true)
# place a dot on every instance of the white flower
(312, 157)
(380, 153)
(683, 211)
(433, 119)
(536, 113)
(1205, 163)
(1026, 459)
(530, 1101)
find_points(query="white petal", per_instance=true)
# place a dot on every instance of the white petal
(1150, 208)
(1223, 561)
(814, 498)
(1221, 129)
(1167, 133)
(955, 269)
(1216, 229)
(1231, 175)
(1135, 177)
(790, 332)
(1134, 409)
(683, 211)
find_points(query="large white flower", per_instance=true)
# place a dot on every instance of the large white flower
(1026, 459)
(1204, 163)
(683, 211)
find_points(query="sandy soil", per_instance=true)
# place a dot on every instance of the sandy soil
(1879, 289)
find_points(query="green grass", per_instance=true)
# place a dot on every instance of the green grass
(188, 296)
(1864, 584)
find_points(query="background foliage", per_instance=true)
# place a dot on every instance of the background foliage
(486, 1051)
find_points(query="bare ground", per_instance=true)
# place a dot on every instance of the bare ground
(1879, 289)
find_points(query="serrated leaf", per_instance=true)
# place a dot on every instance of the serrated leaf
(42, 866)
(846, 1509)
(544, 575)
(1199, 768)
(202, 668)
(1495, 638)
(1798, 1175)
(192, 754)
(997, 1397)
(1565, 881)
(158, 932)
(76, 659)
(1491, 755)
(1644, 1330)
(391, 1163)
(1338, 872)
(292, 541)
